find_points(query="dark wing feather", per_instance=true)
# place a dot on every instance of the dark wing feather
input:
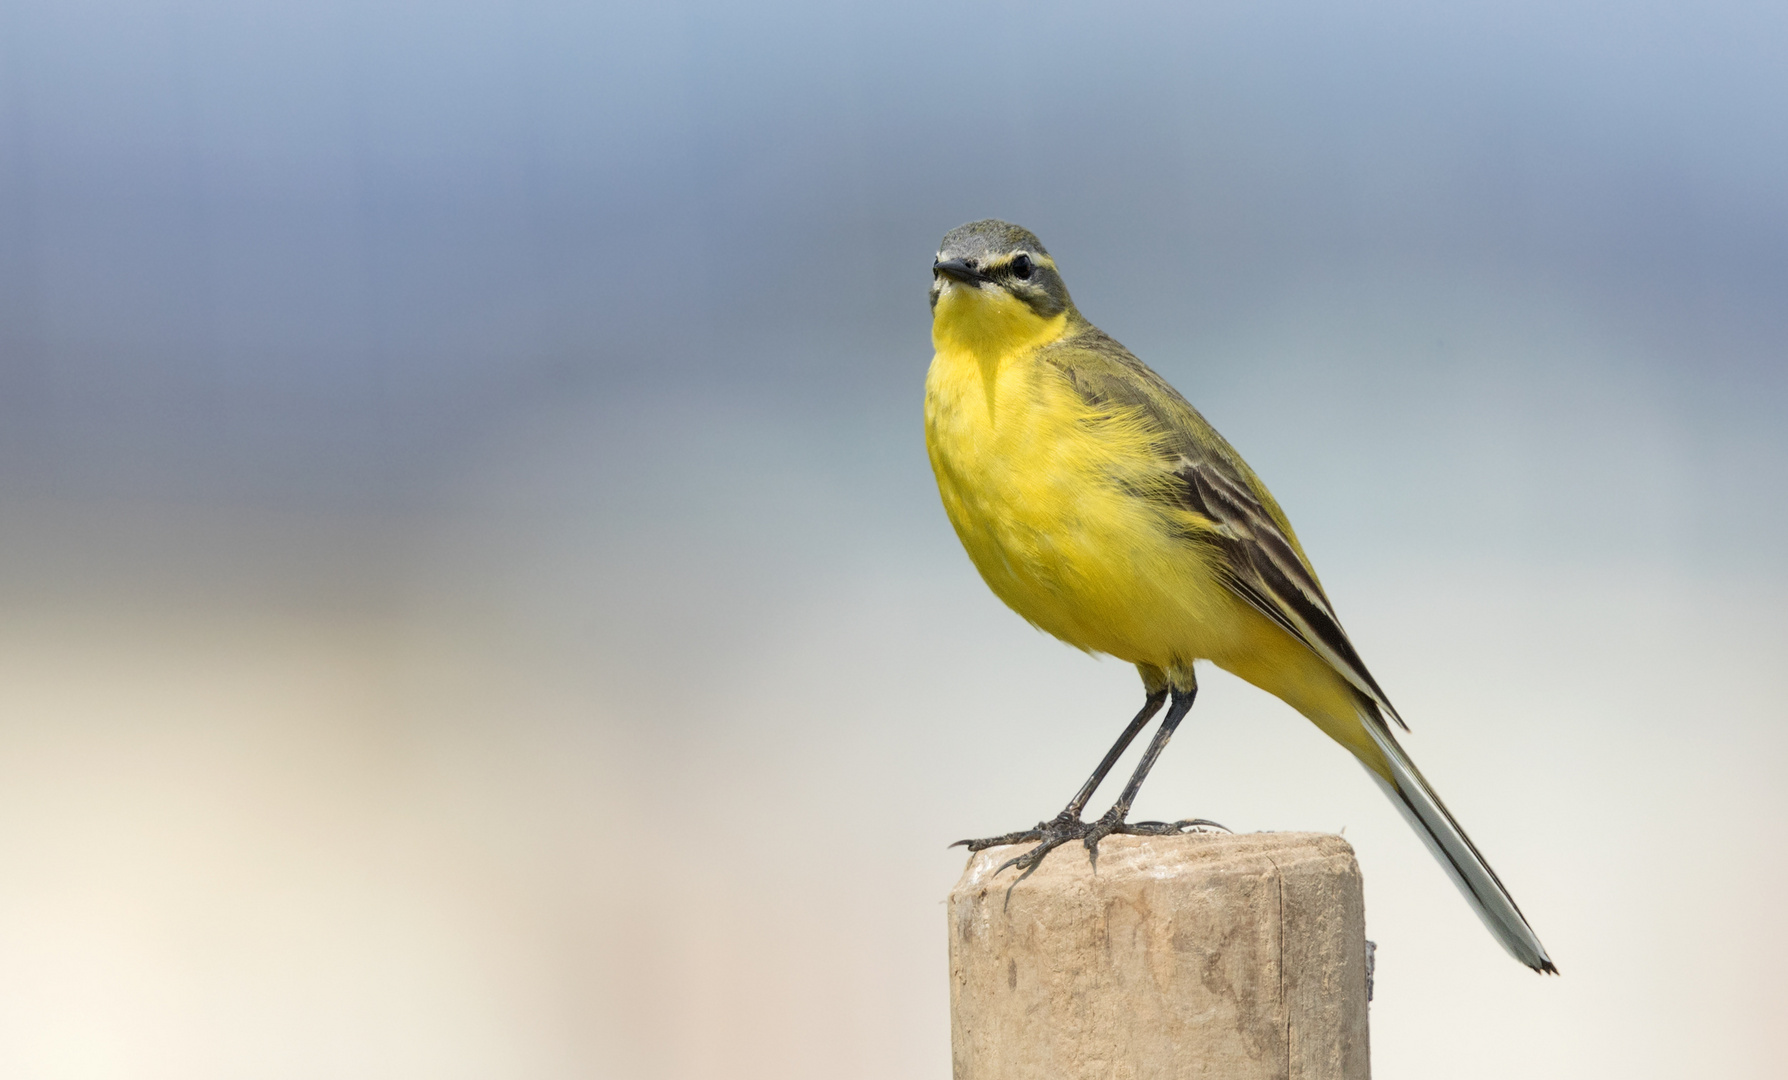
(1262, 560)
(1264, 569)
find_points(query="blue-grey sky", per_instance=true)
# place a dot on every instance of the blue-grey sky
(308, 251)
(464, 495)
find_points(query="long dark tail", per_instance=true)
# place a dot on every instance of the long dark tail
(1457, 854)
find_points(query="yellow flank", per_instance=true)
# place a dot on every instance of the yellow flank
(1043, 490)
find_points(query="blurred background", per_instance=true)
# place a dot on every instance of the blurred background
(473, 600)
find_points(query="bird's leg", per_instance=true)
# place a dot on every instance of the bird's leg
(1078, 803)
(1067, 825)
(1112, 821)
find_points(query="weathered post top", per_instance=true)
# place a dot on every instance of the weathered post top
(1198, 955)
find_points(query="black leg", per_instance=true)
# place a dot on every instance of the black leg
(1070, 816)
(1149, 709)
(1113, 820)
(1066, 826)
(1182, 704)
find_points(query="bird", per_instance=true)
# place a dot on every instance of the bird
(1098, 504)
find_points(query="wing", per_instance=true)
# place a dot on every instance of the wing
(1262, 560)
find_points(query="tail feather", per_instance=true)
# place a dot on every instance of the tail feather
(1424, 811)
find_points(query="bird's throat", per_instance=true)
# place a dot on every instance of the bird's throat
(990, 329)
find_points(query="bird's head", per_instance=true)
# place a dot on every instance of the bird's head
(995, 288)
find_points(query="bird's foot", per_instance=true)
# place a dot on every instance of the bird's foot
(1066, 826)
(1048, 835)
(1112, 821)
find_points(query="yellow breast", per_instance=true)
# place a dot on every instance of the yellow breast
(1043, 492)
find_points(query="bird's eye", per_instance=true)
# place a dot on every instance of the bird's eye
(1021, 267)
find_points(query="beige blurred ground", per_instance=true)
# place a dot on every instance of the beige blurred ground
(538, 791)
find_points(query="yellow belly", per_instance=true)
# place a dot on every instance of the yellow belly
(1036, 485)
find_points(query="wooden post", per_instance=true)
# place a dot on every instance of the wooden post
(1200, 955)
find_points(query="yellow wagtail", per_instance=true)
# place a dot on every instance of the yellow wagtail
(1102, 507)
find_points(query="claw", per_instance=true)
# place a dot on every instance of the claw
(1091, 843)
(1033, 858)
(1006, 904)
(1169, 828)
(1030, 860)
(1109, 822)
(1026, 836)
(1199, 823)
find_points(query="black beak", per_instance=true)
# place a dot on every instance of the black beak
(959, 271)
